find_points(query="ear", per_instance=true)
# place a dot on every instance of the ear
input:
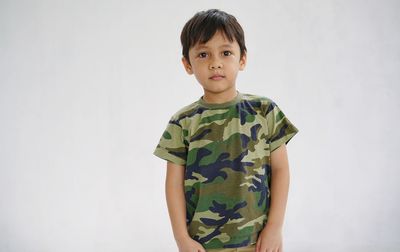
(187, 65)
(243, 61)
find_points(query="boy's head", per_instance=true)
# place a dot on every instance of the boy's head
(213, 50)
(204, 24)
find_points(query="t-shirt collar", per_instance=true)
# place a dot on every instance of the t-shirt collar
(235, 100)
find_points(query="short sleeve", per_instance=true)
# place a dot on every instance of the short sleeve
(280, 128)
(172, 146)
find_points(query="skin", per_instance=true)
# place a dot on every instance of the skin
(217, 56)
(221, 56)
(270, 238)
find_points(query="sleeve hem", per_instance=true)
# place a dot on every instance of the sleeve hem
(285, 139)
(164, 154)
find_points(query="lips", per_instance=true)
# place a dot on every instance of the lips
(217, 77)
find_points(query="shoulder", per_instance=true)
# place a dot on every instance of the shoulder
(266, 103)
(185, 112)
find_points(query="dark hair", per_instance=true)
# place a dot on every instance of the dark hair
(204, 24)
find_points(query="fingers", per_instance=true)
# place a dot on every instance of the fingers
(258, 246)
(261, 248)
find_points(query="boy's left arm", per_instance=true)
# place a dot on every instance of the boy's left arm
(271, 236)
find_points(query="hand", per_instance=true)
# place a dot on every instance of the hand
(270, 239)
(187, 244)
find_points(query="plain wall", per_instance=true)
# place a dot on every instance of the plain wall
(87, 88)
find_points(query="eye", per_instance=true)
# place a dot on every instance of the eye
(227, 53)
(202, 55)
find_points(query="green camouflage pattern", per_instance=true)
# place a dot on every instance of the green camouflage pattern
(226, 151)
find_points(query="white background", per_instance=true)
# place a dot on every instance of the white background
(87, 88)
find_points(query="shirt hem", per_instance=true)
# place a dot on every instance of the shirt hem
(252, 240)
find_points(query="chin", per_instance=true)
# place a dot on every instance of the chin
(216, 90)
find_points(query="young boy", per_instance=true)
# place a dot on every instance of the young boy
(227, 171)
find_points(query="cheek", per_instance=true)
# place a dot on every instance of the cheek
(202, 70)
(232, 66)
(232, 62)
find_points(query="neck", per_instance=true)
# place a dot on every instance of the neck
(225, 96)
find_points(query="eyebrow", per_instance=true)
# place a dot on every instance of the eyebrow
(205, 47)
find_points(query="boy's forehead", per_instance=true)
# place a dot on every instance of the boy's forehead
(205, 46)
(219, 38)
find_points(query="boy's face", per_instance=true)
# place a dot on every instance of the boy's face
(216, 63)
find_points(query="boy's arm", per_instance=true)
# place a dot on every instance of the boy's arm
(270, 238)
(279, 186)
(174, 191)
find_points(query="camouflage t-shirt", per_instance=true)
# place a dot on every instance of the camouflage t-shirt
(226, 151)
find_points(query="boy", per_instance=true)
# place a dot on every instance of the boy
(227, 171)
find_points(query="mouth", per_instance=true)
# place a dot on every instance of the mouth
(217, 77)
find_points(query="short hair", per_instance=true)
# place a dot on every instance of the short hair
(204, 24)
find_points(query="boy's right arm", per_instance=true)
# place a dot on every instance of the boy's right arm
(174, 192)
(175, 195)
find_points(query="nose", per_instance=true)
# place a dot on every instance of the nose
(215, 64)
(213, 67)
